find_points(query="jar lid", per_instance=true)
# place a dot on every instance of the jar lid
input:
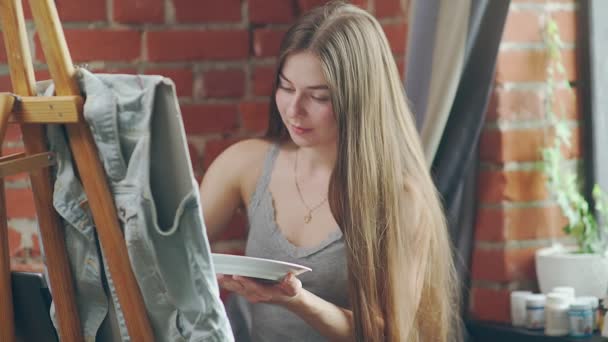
(564, 289)
(580, 304)
(593, 301)
(535, 300)
(557, 298)
(520, 294)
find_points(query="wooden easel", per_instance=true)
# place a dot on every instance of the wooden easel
(31, 113)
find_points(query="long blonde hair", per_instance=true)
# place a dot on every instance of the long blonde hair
(402, 284)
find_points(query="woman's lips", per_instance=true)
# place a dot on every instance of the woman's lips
(300, 130)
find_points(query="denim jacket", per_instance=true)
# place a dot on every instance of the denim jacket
(137, 127)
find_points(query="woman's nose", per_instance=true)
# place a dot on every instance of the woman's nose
(295, 107)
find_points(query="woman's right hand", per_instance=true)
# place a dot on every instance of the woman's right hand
(282, 293)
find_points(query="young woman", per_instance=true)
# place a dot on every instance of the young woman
(338, 184)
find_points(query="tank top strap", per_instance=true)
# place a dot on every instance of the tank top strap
(264, 179)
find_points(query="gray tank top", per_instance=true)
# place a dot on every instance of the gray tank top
(327, 260)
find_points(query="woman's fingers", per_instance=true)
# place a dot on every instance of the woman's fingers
(230, 284)
(290, 285)
(257, 292)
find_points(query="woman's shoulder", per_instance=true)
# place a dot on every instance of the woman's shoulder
(243, 161)
(248, 151)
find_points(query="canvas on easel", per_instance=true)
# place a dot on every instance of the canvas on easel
(22, 107)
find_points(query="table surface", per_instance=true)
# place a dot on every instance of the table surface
(484, 331)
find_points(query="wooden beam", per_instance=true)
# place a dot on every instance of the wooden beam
(51, 232)
(25, 163)
(93, 176)
(48, 109)
(7, 319)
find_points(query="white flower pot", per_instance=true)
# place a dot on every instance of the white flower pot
(586, 273)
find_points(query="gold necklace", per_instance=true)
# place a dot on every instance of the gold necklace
(308, 216)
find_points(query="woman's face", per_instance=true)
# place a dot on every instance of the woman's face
(304, 101)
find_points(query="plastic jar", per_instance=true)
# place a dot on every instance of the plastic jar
(535, 311)
(518, 308)
(595, 305)
(580, 317)
(569, 291)
(556, 314)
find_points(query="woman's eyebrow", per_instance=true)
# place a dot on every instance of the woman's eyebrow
(315, 87)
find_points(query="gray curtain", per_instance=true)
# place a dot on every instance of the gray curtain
(594, 66)
(454, 160)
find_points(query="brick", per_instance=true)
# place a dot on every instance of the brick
(213, 148)
(522, 145)
(5, 83)
(361, 3)
(527, 26)
(503, 265)
(543, 1)
(75, 10)
(31, 266)
(528, 223)
(511, 186)
(13, 133)
(263, 79)
(255, 116)
(183, 79)
(35, 251)
(19, 177)
(42, 75)
(20, 203)
(518, 105)
(209, 118)
(166, 46)
(523, 26)
(531, 66)
(195, 159)
(267, 42)
(18, 148)
(3, 57)
(388, 8)
(187, 11)
(224, 83)
(100, 45)
(115, 70)
(139, 11)
(271, 12)
(397, 36)
(490, 305)
(14, 242)
(307, 5)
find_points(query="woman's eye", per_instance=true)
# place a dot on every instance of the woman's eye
(287, 89)
(320, 98)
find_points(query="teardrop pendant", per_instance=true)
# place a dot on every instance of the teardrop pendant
(308, 217)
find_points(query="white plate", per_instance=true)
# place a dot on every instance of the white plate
(255, 267)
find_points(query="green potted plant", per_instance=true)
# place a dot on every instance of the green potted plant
(583, 265)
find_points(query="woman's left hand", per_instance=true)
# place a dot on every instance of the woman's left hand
(283, 292)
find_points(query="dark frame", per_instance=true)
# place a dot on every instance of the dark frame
(592, 42)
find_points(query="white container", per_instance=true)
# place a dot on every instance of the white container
(518, 308)
(567, 290)
(581, 322)
(556, 314)
(595, 304)
(560, 266)
(535, 311)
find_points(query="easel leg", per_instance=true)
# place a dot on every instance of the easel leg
(7, 319)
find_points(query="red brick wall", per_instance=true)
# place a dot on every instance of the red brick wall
(220, 54)
(515, 215)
